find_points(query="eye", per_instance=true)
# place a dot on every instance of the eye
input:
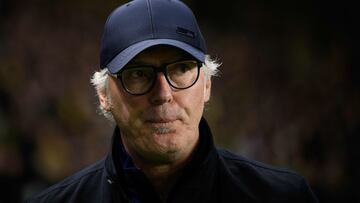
(137, 73)
(182, 67)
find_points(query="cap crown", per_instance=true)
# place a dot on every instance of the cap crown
(141, 20)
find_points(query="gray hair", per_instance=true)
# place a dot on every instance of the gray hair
(100, 81)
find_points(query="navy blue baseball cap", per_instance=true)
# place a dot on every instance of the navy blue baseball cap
(140, 24)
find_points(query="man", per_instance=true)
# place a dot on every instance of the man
(154, 82)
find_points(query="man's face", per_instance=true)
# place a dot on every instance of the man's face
(162, 125)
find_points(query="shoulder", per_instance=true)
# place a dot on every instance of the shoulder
(236, 163)
(74, 187)
(264, 181)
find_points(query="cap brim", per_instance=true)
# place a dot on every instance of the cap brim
(120, 60)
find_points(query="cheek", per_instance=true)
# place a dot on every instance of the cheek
(122, 108)
(192, 100)
(207, 90)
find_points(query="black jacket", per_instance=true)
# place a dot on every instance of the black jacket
(212, 175)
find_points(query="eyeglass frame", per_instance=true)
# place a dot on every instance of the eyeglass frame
(157, 69)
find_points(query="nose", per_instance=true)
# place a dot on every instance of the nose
(161, 92)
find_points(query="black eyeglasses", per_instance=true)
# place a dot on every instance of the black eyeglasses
(139, 80)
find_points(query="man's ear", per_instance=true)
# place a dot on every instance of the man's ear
(207, 90)
(103, 99)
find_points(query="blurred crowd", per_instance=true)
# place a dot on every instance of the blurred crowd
(287, 94)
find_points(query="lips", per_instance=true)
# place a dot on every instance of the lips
(161, 120)
(161, 115)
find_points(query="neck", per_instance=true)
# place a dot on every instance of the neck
(162, 175)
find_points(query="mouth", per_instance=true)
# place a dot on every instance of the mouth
(162, 126)
(161, 122)
(161, 117)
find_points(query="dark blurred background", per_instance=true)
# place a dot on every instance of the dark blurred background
(287, 94)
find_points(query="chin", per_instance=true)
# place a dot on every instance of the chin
(167, 142)
(163, 130)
